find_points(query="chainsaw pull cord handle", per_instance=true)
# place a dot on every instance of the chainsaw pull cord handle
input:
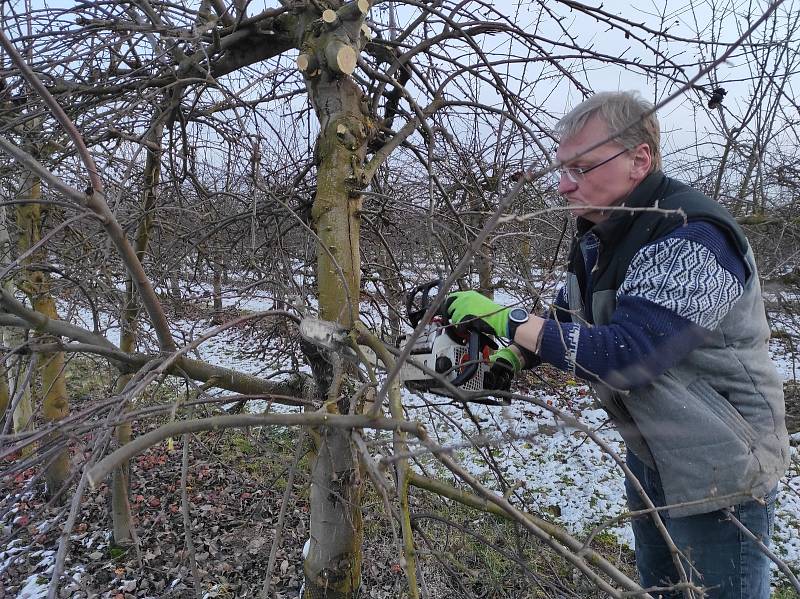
(415, 314)
(473, 348)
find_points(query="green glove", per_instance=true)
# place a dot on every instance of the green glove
(510, 356)
(505, 364)
(472, 306)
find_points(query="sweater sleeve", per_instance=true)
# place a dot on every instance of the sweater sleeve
(676, 291)
(559, 310)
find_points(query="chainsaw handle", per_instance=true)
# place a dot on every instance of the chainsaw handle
(473, 348)
(415, 313)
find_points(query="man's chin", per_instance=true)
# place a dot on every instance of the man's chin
(586, 212)
(579, 209)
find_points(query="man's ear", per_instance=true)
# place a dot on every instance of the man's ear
(642, 161)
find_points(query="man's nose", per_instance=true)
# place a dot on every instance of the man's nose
(565, 184)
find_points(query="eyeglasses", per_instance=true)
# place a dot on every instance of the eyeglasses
(576, 173)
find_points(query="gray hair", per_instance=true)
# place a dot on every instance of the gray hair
(618, 110)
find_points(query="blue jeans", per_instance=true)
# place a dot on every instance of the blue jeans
(723, 560)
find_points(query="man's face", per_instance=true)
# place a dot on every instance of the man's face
(608, 184)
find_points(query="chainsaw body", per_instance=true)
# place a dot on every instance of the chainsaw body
(459, 357)
(451, 359)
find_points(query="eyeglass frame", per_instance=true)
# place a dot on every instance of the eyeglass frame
(576, 173)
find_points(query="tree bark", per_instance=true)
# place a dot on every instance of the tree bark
(5, 398)
(216, 270)
(5, 259)
(20, 382)
(36, 285)
(333, 565)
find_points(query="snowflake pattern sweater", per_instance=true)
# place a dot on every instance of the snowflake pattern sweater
(675, 291)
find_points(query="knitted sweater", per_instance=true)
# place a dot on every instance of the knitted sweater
(662, 313)
(677, 289)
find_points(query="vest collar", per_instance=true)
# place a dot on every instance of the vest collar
(614, 228)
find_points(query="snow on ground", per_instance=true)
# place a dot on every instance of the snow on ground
(35, 586)
(787, 512)
(563, 474)
(556, 470)
(786, 359)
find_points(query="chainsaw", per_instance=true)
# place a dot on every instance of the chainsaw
(456, 354)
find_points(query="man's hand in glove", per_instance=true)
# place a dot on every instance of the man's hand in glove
(470, 307)
(506, 363)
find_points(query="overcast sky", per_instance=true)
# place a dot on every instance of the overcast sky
(683, 122)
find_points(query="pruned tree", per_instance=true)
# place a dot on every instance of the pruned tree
(262, 143)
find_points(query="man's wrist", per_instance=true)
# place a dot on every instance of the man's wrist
(538, 346)
(516, 318)
(529, 335)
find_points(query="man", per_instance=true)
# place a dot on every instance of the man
(662, 313)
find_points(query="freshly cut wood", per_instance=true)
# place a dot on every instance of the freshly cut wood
(363, 6)
(329, 16)
(341, 57)
(353, 11)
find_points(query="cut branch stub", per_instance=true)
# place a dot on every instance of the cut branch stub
(341, 57)
(308, 64)
(366, 31)
(353, 11)
(330, 18)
